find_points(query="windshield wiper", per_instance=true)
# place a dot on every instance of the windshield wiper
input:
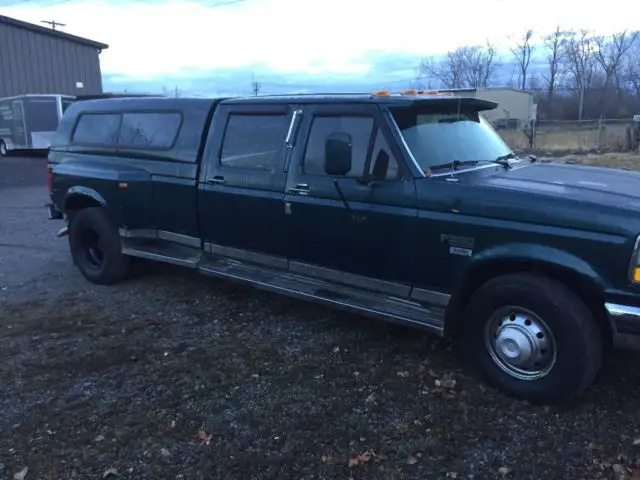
(455, 164)
(503, 159)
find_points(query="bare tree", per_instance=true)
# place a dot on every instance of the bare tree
(632, 69)
(610, 54)
(553, 44)
(578, 53)
(465, 67)
(522, 54)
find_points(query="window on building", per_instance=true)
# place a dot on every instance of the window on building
(97, 128)
(149, 129)
(359, 128)
(254, 141)
(383, 165)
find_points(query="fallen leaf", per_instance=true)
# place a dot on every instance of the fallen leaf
(165, 452)
(412, 460)
(357, 460)
(336, 349)
(204, 437)
(327, 459)
(452, 475)
(636, 442)
(110, 471)
(21, 474)
(403, 374)
(503, 471)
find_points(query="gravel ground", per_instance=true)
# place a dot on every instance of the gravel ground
(172, 375)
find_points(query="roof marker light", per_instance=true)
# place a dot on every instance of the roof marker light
(409, 92)
(381, 93)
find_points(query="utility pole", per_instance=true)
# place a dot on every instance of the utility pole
(255, 86)
(53, 23)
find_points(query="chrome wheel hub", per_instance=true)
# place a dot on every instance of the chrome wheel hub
(520, 343)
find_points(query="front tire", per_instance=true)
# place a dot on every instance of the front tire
(95, 247)
(533, 338)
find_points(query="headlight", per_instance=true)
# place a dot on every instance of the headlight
(634, 267)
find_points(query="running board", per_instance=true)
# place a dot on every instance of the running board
(306, 288)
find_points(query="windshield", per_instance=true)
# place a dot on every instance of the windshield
(437, 137)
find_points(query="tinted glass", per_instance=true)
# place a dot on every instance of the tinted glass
(383, 165)
(359, 128)
(254, 141)
(438, 137)
(149, 129)
(97, 128)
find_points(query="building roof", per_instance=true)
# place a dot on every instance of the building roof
(54, 33)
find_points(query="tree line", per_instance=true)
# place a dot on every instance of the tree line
(583, 76)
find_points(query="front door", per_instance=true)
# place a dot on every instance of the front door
(241, 195)
(355, 227)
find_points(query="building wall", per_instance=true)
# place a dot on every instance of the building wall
(32, 62)
(512, 105)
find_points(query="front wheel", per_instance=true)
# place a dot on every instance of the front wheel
(533, 338)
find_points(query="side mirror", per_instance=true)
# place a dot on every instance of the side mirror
(337, 154)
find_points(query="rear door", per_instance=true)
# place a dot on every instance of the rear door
(241, 195)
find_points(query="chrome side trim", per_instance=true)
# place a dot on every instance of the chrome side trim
(151, 234)
(430, 297)
(249, 256)
(180, 238)
(359, 281)
(183, 262)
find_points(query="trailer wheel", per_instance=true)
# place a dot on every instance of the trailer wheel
(4, 151)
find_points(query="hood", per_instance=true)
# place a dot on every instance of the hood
(584, 198)
(595, 185)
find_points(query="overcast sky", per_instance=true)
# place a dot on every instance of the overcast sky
(214, 46)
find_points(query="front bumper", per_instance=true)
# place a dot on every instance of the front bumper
(625, 325)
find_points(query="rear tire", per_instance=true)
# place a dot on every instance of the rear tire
(95, 247)
(533, 338)
(4, 151)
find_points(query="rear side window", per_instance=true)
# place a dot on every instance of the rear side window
(149, 129)
(97, 128)
(254, 141)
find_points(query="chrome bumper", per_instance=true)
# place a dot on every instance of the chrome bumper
(625, 325)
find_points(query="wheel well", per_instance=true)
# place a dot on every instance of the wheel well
(79, 202)
(589, 293)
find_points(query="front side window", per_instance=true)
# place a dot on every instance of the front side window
(97, 129)
(359, 130)
(437, 137)
(254, 141)
(149, 129)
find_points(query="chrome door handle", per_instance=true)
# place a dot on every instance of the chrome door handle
(215, 180)
(301, 189)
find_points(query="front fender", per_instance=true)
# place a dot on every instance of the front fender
(525, 253)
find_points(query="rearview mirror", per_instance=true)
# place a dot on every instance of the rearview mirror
(337, 154)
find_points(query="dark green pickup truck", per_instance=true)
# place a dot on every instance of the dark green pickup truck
(404, 207)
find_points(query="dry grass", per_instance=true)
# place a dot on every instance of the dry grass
(624, 161)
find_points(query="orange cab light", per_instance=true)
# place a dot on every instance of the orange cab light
(636, 274)
(409, 92)
(381, 93)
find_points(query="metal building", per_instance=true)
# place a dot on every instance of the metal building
(39, 60)
(516, 108)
